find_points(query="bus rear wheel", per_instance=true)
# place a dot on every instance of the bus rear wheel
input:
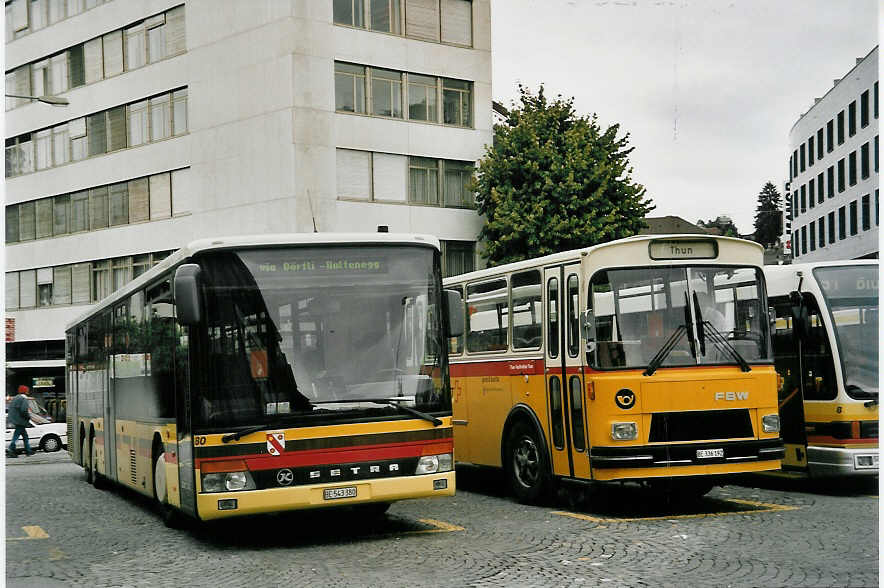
(171, 517)
(85, 458)
(526, 465)
(97, 479)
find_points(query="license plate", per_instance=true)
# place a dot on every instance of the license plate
(701, 453)
(334, 493)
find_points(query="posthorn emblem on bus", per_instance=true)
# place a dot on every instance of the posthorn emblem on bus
(284, 477)
(625, 398)
(275, 443)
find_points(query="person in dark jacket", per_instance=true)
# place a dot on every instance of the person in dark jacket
(17, 416)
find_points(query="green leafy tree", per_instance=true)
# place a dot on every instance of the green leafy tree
(723, 224)
(553, 181)
(768, 215)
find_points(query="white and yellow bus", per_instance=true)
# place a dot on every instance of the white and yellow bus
(646, 359)
(827, 330)
(249, 375)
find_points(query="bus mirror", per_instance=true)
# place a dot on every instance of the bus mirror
(772, 317)
(455, 308)
(187, 294)
(800, 317)
(587, 325)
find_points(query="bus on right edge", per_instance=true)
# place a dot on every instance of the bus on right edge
(826, 318)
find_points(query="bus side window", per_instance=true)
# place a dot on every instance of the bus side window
(455, 344)
(527, 319)
(552, 317)
(488, 316)
(819, 367)
(573, 324)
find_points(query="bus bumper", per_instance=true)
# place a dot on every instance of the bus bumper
(824, 462)
(217, 505)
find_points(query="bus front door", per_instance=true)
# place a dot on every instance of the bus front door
(788, 351)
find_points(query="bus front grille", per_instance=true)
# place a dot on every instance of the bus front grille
(697, 425)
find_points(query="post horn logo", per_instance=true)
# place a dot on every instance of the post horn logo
(625, 398)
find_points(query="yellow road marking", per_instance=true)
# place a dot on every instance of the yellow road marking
(56, 554)
(441, 527)
(760, 507)
(31, 532)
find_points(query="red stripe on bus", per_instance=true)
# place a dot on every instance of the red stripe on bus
(834, 441)
(313, 457)
(501, 367)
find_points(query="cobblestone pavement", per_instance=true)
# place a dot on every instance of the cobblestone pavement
(62, 532)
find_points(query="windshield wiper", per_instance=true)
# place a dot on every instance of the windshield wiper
(670, 344)
(391, 402)
(721, 341)
(247, 431)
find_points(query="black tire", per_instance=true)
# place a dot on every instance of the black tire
(50, 443)
(527, 465)
(86, 458)
(99, 482)
(172, 518)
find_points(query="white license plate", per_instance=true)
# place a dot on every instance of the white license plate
(701, 453)
(333, 493)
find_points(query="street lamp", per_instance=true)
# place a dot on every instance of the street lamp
(53, 100)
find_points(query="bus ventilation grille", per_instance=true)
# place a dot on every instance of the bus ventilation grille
(132, 468)
(698, 425)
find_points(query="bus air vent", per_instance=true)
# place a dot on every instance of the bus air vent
(132, 470)
(697, 425)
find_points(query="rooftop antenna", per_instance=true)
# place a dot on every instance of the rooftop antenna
(312, 216)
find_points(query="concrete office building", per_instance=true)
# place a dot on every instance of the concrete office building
(833, 170)
(198, 118)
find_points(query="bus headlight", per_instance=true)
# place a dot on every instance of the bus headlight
(432, 464)
(624, 431)
(770, 423)
(227, 481)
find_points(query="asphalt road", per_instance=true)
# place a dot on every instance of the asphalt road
(62, 532)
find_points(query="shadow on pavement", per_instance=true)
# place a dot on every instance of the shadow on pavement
(858, 486)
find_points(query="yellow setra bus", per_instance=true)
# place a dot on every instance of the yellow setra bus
(249, 375)
(827, 329)
(646, 359)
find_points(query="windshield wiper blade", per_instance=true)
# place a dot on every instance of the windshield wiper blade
(668, 346)
(701, 332)
(247, 431)
(391, 402)
(722, 343)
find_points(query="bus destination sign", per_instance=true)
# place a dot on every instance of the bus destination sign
(325, 266)
(700, 249)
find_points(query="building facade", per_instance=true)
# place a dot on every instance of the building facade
(833, 170)
(220, 117)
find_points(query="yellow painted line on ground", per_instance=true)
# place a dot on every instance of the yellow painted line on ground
(441, 527)
(760, 507)
(56, 554)
(31, 532)
(783, 474)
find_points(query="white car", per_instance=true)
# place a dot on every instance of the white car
(41, 435)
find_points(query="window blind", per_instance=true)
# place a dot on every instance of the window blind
(77, 65)
(98, 208)
(160, 196)
(44, 276)
(457, 22)
(422, 19)
(119, 204)
(139, 207)
(92, 60)
(175, 40)
(390, 177)
(112, 43)
(61, 288)
(96, 132)
(12, 231)
(26, 219)
(44, 218)
(80, 283)
(116, 120)
(27, 288)
(60, 214)
(353, 170)
(79, 211)
(11, 290)
(181, 191)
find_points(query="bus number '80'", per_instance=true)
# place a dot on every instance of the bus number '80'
(199, 440)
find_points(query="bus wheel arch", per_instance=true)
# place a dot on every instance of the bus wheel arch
(170, 515)
(525, 458)
(86, 453)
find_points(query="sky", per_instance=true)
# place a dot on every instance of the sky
(707, 89)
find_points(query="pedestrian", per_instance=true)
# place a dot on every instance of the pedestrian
(18, 417)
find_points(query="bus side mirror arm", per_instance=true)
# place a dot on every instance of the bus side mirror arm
(187, 294)
(587, 329)
(455, 309)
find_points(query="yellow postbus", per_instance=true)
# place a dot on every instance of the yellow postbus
(827, 329)
(646, 359)
(249, 375)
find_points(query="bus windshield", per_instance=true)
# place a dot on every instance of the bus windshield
(702, 315)
(304, 333)
(851, 293)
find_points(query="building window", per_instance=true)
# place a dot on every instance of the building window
(794, 164)
(812, 236)
(841, 175)
(864, 109)
(353, 169)
(876, 208)
(801, 158)
(851, 119)
(386, 93)
(139, 128)
(423, 180)
(820, 188)
(19, 155)
(457, 102)
(795, 203)
(456, 187)
(819, 144)
(384, 16)
(864, 161)
(830, 136)
(853, 220)
(831, 225)
(389, 177)
(851, 168)
(160, 117)
(866, 213)
(842, 223)
(810, 152)
(422, 19)
(27, 221)
(822, 231)
(457, 22)
(349, 12)
(875, 101)
(803, 199)
(135, 46)
(349, 87)
(422, 91)
(810, 193)
(458, 257)
(830, 180)
(803, 239)
(841, 127)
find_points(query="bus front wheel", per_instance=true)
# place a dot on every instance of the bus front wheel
(171, 517)
(97, 479)
(526, 465)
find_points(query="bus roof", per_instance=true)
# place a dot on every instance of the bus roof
(251, 241)
(782, 279)
(554, 258)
